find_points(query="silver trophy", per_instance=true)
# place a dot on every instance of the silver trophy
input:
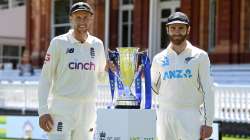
(127, 67)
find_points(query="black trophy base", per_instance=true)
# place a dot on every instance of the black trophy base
(127, 107)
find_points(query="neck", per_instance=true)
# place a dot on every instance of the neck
(179, 48)
(82, 37)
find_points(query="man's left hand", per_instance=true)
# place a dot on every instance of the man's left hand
(205, 131)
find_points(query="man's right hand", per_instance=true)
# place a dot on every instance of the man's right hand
(110, 65)
(46, 122)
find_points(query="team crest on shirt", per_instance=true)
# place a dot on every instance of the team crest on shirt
(70, 50)
(92, 52)
(165, 61)
(188, 59)
(59, 126)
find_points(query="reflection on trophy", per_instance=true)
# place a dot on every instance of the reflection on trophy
(127, 63)
(127, 73)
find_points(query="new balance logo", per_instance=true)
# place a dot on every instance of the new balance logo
(59, 126)
(70, 50)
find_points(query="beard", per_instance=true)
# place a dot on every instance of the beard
(178, 39)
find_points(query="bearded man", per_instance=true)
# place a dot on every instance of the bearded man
(181, 78)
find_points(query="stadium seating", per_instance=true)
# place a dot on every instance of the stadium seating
(235, 74)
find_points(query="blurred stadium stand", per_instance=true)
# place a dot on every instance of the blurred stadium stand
(237, 74)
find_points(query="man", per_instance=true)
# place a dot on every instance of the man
(69, 73)
(181, 76)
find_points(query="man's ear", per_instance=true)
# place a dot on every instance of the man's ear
(167, 29)
(188, 30)
(70, 17)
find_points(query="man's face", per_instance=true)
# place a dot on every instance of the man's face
(81, 21)
(177, 33)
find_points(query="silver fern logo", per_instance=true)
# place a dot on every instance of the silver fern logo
(188, 59)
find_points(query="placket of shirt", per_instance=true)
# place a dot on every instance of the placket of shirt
(180, 59)
(82, 54)
(82, 57)
(174, 59)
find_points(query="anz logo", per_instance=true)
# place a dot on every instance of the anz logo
(177, 74)
(90, 66)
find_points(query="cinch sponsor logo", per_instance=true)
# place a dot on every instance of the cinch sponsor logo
(82, 66)
(177, 74)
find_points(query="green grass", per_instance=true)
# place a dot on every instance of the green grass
(2, 133)
(231, 138)
(2, 120)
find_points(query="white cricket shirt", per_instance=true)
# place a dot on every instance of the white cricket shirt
(70, 69)
(184, 79)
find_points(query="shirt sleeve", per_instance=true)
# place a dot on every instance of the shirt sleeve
(155, 76)
(102, 58)
(47, 76)
(206, 84)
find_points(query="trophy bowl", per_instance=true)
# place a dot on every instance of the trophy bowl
(127, 65)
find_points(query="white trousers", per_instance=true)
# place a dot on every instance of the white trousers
(72, 120)
(178, 124)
